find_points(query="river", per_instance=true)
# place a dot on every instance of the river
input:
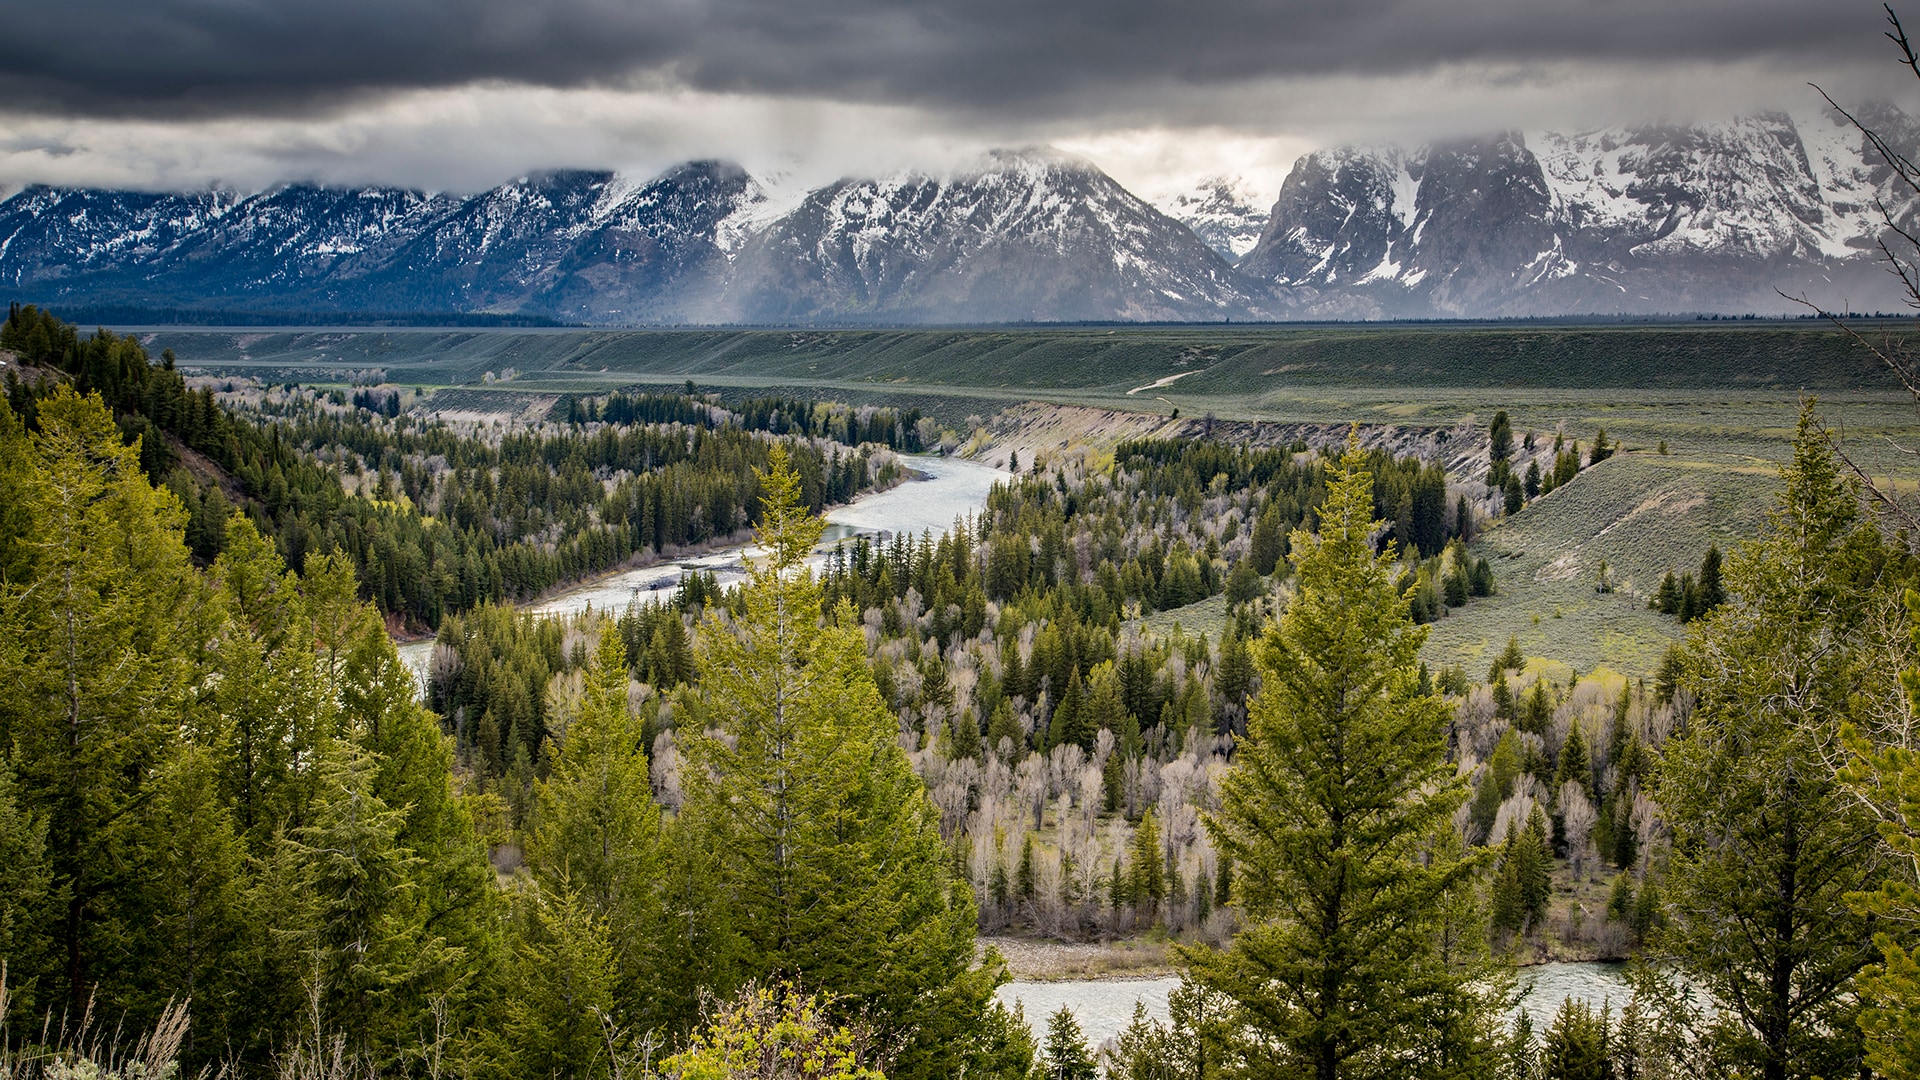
(1105, 1006)
(946, 489)
(951, 488)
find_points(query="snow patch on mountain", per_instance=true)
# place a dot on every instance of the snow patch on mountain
(1221, 210)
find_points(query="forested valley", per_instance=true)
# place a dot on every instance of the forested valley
(756, 830)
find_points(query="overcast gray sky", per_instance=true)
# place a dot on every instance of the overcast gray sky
(463, 94)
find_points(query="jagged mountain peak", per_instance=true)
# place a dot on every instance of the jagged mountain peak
(1652, 218)
(1663, 217)
(1027, 233)
(1221, 212)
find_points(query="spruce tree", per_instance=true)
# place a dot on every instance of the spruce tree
(26, 900)
(1268, 545)
(596, 840)
(1500, 437)
(1066, 1053)
(1341, 786)
(559, 990)
(1767, 843)
(1576, 1044)
(818, 830)
(274, 702)
(1887, 775)
(191, 873)
(1148, 885)
(105, 626)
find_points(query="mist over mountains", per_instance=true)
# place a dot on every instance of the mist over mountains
(1661, 219)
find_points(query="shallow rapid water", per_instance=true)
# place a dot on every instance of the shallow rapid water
(947, 489)
(1104, 1007)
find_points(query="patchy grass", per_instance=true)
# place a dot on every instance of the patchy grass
(1047, 960)
(1207, 617)
(1642, 514)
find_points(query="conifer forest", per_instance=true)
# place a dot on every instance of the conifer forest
(751, 824)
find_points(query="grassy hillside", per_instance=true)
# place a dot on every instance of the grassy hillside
(1214, 360)
(1641, 513)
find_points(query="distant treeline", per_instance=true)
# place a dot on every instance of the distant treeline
(136, 315)
(899, 429)
(437, 521)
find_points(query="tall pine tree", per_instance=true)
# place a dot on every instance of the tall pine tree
(820, 834)
(1331, 816)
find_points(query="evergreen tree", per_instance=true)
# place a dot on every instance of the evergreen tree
(1712, 592)
(1243, 583)
(105, 623)
(1148, 885)
(1511, 658)
(1507, 907)
(1575, 764)
(1537, 714)
(1500, 437)
(1067, 1056)
(1767, 844)
(1521, 1059)
(191, 929)
(1341, 785)
(559, 990)
(1887, 776)
(817, 827)
(1268, 545)
(345, 893)
(272, 700)
(1576, 1044)
(26, 901)
(596, 840)
(1534, 866)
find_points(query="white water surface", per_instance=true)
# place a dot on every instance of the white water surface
(1104, 1007)
(946, 489)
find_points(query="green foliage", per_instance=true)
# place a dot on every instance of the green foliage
(1500, 437)
(769, 1033)
(1341, 786)
(1767, 843)
(1194, 1045)
(595, 839)
(1065, 1049)
(103, 623)
(1885, 773)
(1576, 1046)
(513, 516)
(559, 991)
(818, 831)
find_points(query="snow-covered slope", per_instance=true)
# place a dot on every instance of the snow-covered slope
(1019, 235)
(1221, 213)
(1708, 217)
(1712, 217)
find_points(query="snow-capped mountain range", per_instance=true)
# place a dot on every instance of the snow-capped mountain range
(1714, 217)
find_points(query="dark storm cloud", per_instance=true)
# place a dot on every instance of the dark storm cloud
(991, 57)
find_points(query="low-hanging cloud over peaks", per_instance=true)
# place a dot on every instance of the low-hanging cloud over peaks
(463, 94)
(226, 57)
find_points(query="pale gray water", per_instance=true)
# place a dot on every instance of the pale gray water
(950, 488)
(1104, 1007)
